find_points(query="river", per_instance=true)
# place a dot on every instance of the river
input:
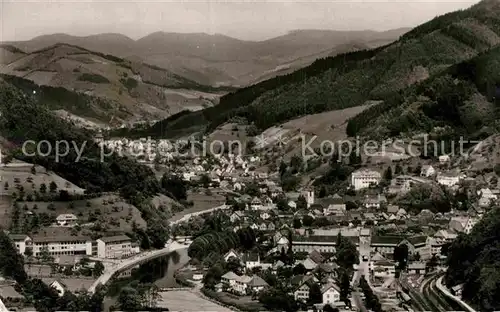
(159, 271)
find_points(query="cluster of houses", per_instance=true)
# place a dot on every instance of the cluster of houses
(313, 264)
(365, 178)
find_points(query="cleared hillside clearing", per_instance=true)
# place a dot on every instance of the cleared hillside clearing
(18, 174)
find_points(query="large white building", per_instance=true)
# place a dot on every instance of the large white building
(449, 178)
(113, 247)
(66, 245)
(364, 178)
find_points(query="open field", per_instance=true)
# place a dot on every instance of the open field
(18, 174)
(239, 301)
(187, 301)
(328, 126)
(201, 201)
(111, 211)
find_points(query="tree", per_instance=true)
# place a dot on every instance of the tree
(278, 300)
(322, 192)
(213, 276)
(401, 256)
(28, 252)
(130, 299)
(433, 262)
(299, 269)
(307, 220)
(354, 158)
(297, 224)
(301, 203)
(329, 308)
(296, 164)
(388, 174)
(45, 256)
(398, 169)
(346, 253)
(174, 186)
(11, 262)
(205, 181)
(149, 295)
(290, 183)
(52, 187)
(43, 188)
(282, 168)
(345, 285)
(315, 295)
(234, 265)
(98, 269)
(350, 205)
(282, 204)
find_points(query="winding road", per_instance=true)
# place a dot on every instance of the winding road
(187, 216)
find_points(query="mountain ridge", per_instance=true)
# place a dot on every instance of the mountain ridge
(351, 79)
(212, 59)
(103, 87)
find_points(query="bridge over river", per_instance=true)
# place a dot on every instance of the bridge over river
(133, 261)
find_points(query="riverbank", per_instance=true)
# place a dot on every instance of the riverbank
(130, 262)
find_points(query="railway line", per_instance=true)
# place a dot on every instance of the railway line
(417, 300)
(432, 297)
(442, 302)
(428, 297)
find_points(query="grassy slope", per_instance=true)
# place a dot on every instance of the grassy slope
(351, 79)
(107, 86)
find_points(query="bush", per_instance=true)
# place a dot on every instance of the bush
(129, 83)
(94, 78)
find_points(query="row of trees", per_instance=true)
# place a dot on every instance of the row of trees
(371, 300)
(220, 242)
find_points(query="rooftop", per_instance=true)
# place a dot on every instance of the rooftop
(115, 239)
(386, 240)
(58, 239)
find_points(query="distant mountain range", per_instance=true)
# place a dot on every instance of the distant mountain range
(430, 61)
(218, 59)
(102, 88)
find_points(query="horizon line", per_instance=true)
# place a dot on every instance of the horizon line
(206, 33)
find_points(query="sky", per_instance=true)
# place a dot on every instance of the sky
(247, 20)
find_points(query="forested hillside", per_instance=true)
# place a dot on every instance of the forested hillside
(474, 260)
(22, 118)
(463, 100)
(350, 79)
